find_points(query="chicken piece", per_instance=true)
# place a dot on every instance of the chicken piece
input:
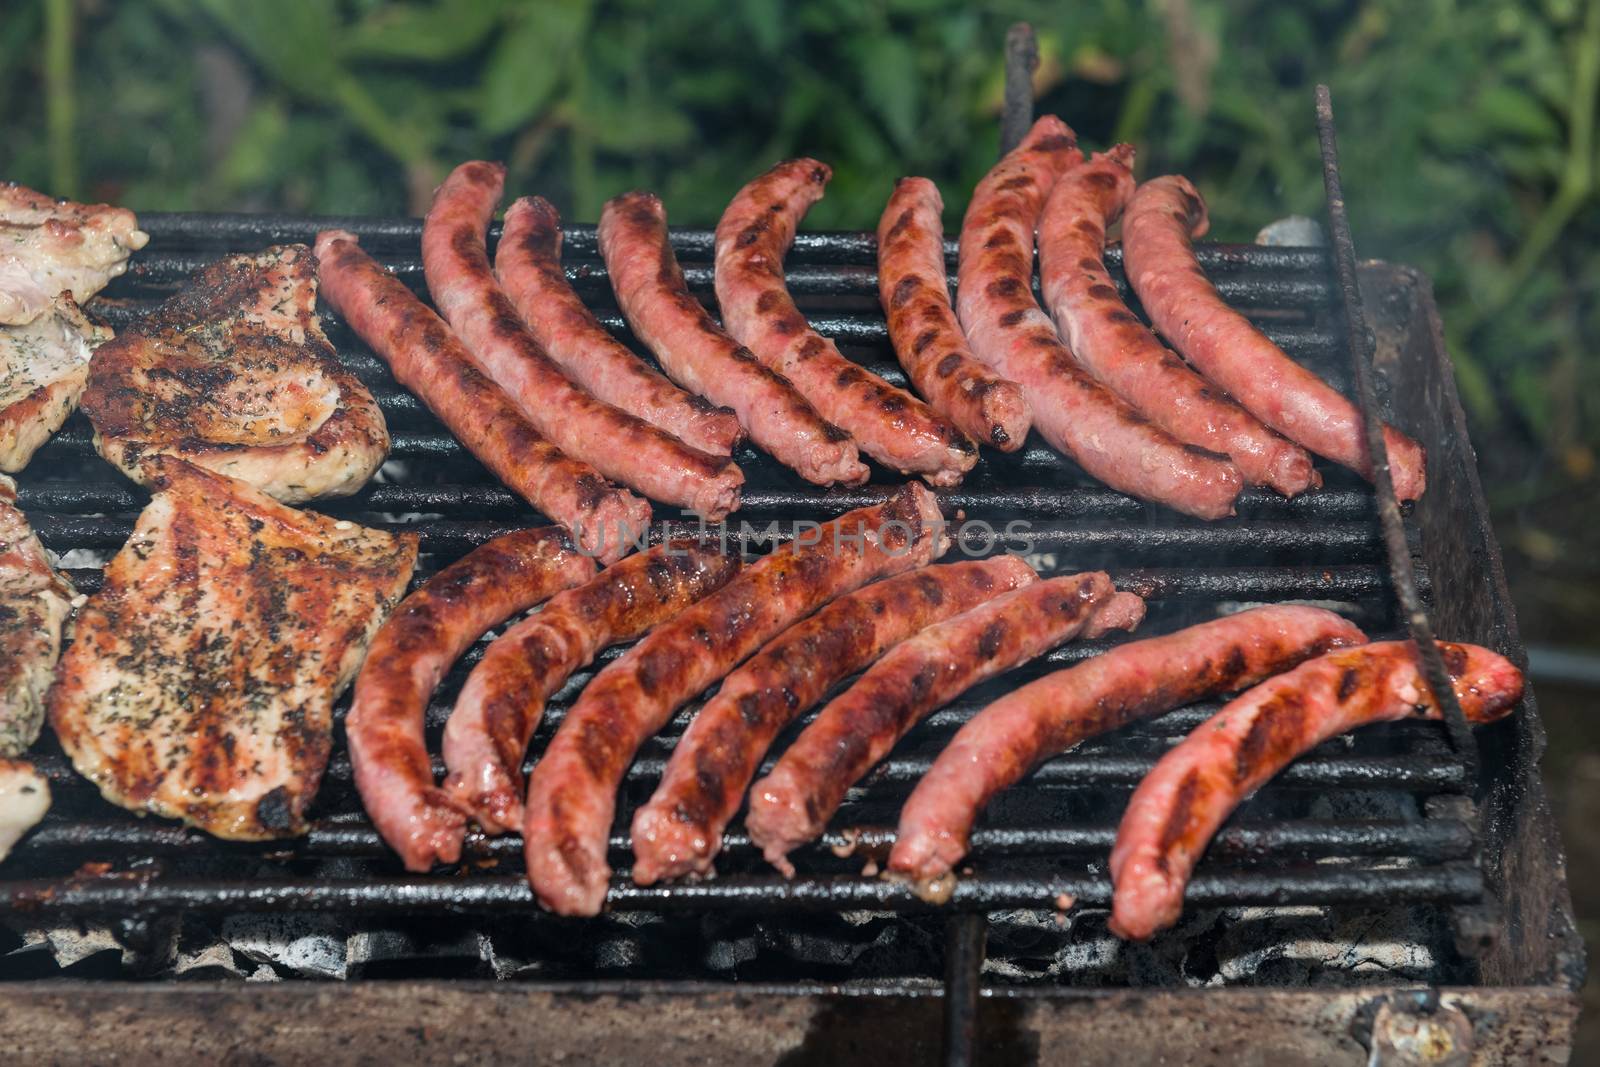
(201, 682)
(49, 245)
(24, 798)
(234, 374)
(44, 366)
(34, 604)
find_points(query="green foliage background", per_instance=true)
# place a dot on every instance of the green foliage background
(1468, 133)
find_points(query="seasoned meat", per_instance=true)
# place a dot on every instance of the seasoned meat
(889, 424)
(1112, 344)
(35, 601)
(1012, 334)
(234, 374)
(927, 338)
(528, 264)
(1193, 789)
(48, 246)
(1027, 726)
(24, 798)
(201, 682)
(503, 699)
(700, 356)
(572, 792)
(680, 830)
(44, 366)
(413, 650)
(793, 803)
(430, 361)
(1158, 254)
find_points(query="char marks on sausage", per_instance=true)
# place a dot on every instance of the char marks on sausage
(1012, 736)
(1157, 230)
(1182, 803)
(889, 424)
(701, 357)
(619, 445)
(428, 359)
(1119, 351)
(1010, 332)
(528, 263)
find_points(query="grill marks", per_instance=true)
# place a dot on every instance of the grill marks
(1195, 786)
(680, 830)
(1049, 716)
(503, 699)
(695, 351)
(528, 263)
(427, 359)
(853, 732)
(633, 697)
(616, 443)
(888, 424)
(923, 327)
(1112, 344)
(202, 679)
(1009, 332)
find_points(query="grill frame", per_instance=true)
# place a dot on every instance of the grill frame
(1508, 903)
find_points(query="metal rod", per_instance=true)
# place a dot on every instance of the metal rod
(1022, 59)
(965, 941)
(1361, 343)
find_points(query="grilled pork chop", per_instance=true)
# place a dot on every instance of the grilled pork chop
(201, 682)
(34, 603)
(48, 245)
(43, 368)
(234, 374)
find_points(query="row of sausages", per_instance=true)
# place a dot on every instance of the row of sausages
(581, 424)
(862, 595)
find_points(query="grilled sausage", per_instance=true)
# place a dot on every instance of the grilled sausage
(408, 657)
(620, 446)
(1196, 785)
(503, 698)
(889, 424)
(572, 792)
(698, 355)
(922, 325)
(792, 805)
(1012, 334)
(528, 263)
(1012, 736)
(1111, 343)
(427, 359)
(680, 829)
(1159, 259)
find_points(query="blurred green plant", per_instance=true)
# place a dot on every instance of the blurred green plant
(1468, 125)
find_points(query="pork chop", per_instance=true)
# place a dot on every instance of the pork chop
(233, 373)
(201, 682)
(24, 798)
(49, 245)
(44, 366)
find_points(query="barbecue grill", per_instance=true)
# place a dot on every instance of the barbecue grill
(1387, 889)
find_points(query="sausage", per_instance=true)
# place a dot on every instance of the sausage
(680, 829)
(792, 805)
(1182, 803)
(922, 325)
(1111, 343)
(427, 359)
(572, 791)
(698, 355)
(1158, 256)
(1011, 333)
(620, 446)
(503, 698)
(528, 263)
(889, 424)
(1012, 736)
(407, 659)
